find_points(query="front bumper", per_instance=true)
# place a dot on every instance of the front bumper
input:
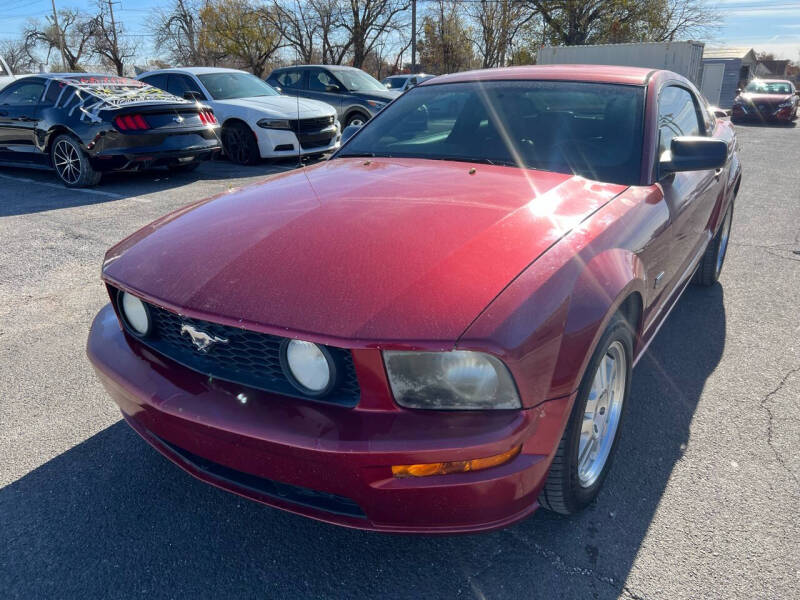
(756, 113)
(328, 462)
(277, 143)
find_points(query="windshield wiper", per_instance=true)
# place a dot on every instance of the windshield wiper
(358, 155)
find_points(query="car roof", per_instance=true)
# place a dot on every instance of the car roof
(591, 73)
(329, 67)
(193, 70)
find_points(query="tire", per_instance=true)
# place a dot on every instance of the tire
(572, 484)
(240, 144)
(186, 167)
(356, 118)
(714, 257)
(71, 164)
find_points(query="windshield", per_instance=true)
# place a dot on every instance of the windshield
(394, 83)
(589, 129)
(358, 81)
(769, 87)
(227, 86)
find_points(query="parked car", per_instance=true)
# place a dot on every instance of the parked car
(6, 75)
(401, 83)
(257, 122)
(434, 330)
(83, 125)
(766, 100)
(355, 95)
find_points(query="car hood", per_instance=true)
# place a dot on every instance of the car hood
(386, 96)
(284, 107)
(369, 251)
(770, 99)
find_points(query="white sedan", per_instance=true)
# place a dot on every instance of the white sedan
(257, 122)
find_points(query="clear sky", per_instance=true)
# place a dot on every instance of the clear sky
(771, 25)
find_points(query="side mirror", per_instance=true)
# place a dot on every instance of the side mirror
(691, 153)
(333, 89)
(738, 90)
(191, 95)
(277, 88)
(348, 132)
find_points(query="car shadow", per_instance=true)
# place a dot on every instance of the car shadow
(111, 518)
(35, 190)
(766, 124)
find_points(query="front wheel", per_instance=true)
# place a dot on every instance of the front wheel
(711, 264)
(356, 119)
(584, 454)
(71, 163)
(240, 144)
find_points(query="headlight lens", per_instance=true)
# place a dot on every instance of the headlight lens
(458, 380)
(135, 313)
(275, 124)
(786, 104)
(310, 367)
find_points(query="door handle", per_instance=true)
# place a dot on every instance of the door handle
(718, 173)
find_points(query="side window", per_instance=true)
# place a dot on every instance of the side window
(53, 92)
(177, 85)
(677, 116)
(318, 80)
(159, 81)
(290, 79)
(23, 93)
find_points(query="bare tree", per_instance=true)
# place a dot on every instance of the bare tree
(74, 27)
(108, 40)
(684, 18)
(497, 24)
(445, 46)
(299, 25)
(18, 56)
(366, 21)
(241, 31)
(179, 31)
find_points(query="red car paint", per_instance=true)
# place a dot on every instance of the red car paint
(406, 254)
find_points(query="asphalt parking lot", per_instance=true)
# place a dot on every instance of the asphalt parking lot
(702, 500)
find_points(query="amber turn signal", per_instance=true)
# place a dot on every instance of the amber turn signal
(459, 466)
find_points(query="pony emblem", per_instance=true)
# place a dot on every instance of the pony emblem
(201, 340)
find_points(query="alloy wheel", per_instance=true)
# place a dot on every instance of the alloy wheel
(602, 414)
(67, 162)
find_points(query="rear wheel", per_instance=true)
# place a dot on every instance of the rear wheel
(357, 119)
(240, 144)
(584, 453)
(711, 264)
(71, 163)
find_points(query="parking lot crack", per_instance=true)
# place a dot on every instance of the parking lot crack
(771, 419)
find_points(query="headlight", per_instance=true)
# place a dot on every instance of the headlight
(135, 313)
(309, 367)
(458, 380)
(786, 104)
(376, 104)
(275, 124)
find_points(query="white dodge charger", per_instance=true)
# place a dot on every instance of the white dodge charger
(257, 122)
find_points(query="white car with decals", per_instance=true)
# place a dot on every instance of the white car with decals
(257, 122)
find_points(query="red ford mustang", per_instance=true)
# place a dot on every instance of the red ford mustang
(434, 330)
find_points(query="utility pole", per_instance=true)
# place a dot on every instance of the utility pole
(60, 37)
(114, 45)
(413, 36)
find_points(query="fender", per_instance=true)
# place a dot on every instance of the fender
(568, 295)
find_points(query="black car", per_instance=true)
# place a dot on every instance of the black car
(355, 95)
(82, 125)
